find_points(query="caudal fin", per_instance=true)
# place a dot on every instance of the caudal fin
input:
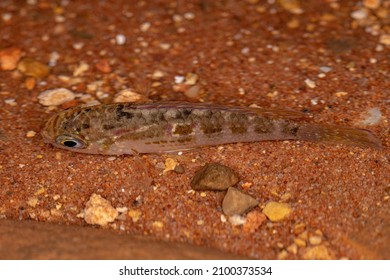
(339, 135)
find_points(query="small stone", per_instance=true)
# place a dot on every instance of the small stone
(237, 220)
(120, 39)
(31, 133)
(55, 97)
(276, 211)
(103, 65)
(30, 83)
(170, 164)
(134, 215)
(371, 117)
(385, 39)
(341, 93)
(145, 26)
(310, 83)
(300, 242)
(193, 92)
(325, 69)
(293, 249)
(214, 176)
(315, 240)
(81, 69)
(191, 79)
(189, 16)
(9, 58)
(292, 6)
(317, 253)
(157, 75)
(33, 68)
(237, 203)
(32, 201)
(179, 168)
(372, 4)
(128, 95)
(294, 23)
(157, 225)
(254, 220)
(359, 14)
(179, 79)
(299, 228)
(282, 255)
(99, 211)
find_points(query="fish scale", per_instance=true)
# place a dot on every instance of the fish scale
(127, 128)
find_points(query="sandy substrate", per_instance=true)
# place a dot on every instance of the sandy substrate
(329, 59)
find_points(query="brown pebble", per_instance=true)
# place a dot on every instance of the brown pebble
(29, 83)
(103, 66)
(214, 176)
(254, 220)
(179, 169)
(237, 203)
(9, 58)
(33, 68)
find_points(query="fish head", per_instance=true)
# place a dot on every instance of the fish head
(69, 130)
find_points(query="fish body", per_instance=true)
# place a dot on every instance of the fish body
(128, 128)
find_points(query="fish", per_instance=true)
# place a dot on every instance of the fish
(166, 127)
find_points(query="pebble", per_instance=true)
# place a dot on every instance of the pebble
(191, 79)
(134, 215)
(55, 97)
(33, 68)
(81, 69)
(145, 26)
(325, 69)
(31, 133)
(254, 220)
(193, 92)
(120, 39)
(236, 202)
(276, 211)
(372, 4)
(385, 39)
(157, 75)
(170, 164)
(315, 240)
(292, 6)
(9, 58)
(371, 117)
(237, 220)
(319, 252)
(214, 176)
(359, 14)
(103, 65)
(128, 95)
(179, 79)
(99, 211)
(310, 83)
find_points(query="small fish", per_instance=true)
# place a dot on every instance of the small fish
(128, 128)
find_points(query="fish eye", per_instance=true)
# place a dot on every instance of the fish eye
(71, 142)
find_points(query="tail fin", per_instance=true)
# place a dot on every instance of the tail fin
(339, 135)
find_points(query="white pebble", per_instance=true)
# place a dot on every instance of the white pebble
(371, 117)
(179, 79)
(145, 26)
(120, 39)
(78, 45)
(325, 69)
(55, 97)
(359, 14)
(189, 16)
(310, 83)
